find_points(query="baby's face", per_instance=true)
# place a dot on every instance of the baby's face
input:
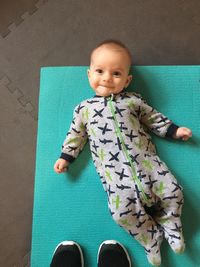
(109, 71)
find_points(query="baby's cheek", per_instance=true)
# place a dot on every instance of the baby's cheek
(94, 84)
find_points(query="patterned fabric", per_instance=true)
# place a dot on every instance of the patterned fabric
(131, 172)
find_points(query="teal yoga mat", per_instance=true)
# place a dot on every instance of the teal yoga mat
(73, 206)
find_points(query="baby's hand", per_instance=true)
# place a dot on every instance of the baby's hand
(61, 166)
(184, 133)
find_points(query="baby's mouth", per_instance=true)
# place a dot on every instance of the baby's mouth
(107, 87)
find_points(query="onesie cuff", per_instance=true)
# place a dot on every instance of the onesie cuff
(171, 130)
(67, 157)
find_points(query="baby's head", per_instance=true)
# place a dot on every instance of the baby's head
(109, 68)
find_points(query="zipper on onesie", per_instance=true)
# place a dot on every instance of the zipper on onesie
(125, 151)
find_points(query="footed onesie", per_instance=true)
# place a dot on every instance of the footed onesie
(132, 174)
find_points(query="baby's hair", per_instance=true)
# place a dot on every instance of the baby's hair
(114, 42)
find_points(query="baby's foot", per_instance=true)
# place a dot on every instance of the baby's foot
(177, 244)
(178, 248)
(153, 251)
(154, 259)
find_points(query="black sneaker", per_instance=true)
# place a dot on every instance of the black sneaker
(113, 254)
(67, 254)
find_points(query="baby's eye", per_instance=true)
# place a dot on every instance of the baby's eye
(100, 71)
(116, 73)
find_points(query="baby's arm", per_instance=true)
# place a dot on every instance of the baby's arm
(156, 121)
(161, 125)
(61, 165)
(73, 143)
(183, 132)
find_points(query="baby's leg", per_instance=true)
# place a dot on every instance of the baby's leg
(171, 201)
(128, 212)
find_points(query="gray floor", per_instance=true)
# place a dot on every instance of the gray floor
(62, 32)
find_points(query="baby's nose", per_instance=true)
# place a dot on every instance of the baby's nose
(107, 77)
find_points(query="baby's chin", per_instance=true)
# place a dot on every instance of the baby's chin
(104, 95)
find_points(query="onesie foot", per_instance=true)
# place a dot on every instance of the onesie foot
(178, 248)
(154, 259)
(177, 244)
(153, 252)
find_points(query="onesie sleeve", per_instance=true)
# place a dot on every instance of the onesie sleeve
(76, 137)
(156, 121)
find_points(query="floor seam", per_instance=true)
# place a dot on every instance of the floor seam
(19, 96)
(12, 27)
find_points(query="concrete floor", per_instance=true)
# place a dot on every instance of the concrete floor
(47, 32)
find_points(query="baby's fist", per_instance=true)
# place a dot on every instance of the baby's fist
(61, 166)
(184, 133)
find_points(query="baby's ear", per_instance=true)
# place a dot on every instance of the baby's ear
(129, 79)
(88, 72)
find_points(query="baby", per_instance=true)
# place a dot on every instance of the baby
(125, 158)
